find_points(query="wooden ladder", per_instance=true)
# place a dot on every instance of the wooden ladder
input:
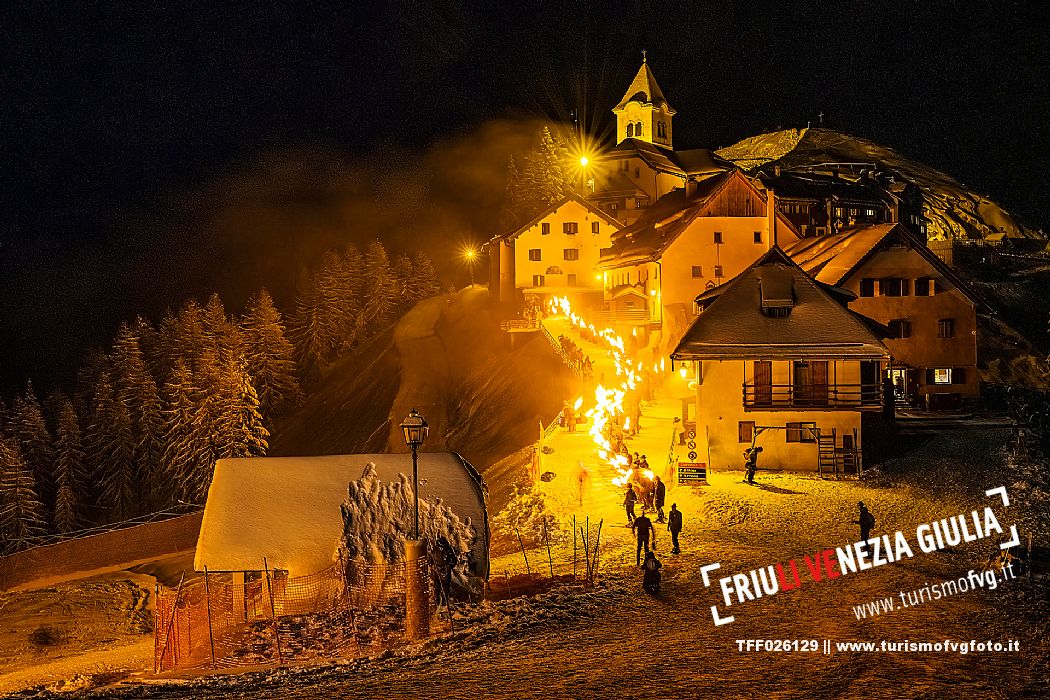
(827, 461)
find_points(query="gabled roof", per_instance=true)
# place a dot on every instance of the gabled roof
(645, 90)
(660, 225)
(555, 207)
(695, 161)
(834, 258)
(734, 326)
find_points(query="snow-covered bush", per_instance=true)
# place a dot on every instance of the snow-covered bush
(378, 517)
(525, 514)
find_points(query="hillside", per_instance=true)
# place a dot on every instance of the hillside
(447, 358)
(953, 210)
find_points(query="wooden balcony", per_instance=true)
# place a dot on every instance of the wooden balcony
(815, 397)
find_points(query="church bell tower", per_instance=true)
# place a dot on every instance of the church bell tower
(644, 113)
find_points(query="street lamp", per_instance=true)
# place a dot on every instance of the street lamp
(470, 254)
(416, 428)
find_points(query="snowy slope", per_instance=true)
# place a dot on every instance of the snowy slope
(953, 210)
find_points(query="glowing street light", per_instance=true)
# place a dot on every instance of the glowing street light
(470, 255)
(584, 160)
(416, 429)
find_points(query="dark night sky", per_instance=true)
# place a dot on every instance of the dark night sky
(108, 115)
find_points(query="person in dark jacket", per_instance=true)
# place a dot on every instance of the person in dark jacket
(659, 494)
(651, 574)
(674, 526)
(751, 462)
(643, 528)
(866, 521)
(629, 500)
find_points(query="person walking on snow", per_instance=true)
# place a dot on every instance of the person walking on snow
(660, 493)
(866, 521)
(651, 576)
(674, 526)
(643, 528)
(629, 500)
(751, 462)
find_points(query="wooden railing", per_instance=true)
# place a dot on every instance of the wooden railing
(821, 397)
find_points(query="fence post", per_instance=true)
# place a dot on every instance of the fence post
(273, 613)
(574, 548)
(597, 540)
(546, 539)
(171, 621)
(522, 544)
(207, 598)
(156, 624)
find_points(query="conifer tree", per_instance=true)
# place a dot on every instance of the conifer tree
(351, 285)
(133, 381)
(238, 429)
(269, 356)
(309, 332)
(190, 340)
(547, 179)
(403, 273)
(515, 203)
(95, 363)
(149, 344)
(69, 470)
(425, 282)
(119, 485)
(96, 439)
(181, 454)
(219, 331)
(22, 516)
(36, 445)
(380, 288)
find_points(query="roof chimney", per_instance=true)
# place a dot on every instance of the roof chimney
(690, 187)
(771, 216)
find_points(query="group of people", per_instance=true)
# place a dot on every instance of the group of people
(576, 357)
(645, 534)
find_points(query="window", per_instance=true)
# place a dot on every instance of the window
(946, 328)
(718, 271)
(613, 206)
(571, 254)
(537, 280)
(758, 236)
(869, 212)
(894, 287)
(545, 229)
(571, 280)
(777, 311)
(959, 375)
(801, 432)
(924, 287)
(630, 130)
(867, 287)
(718, 236)
(535, 254)
(594, 227)
(637, 171)
(698, 271)
(570, 228)
(940, 376)
(839, 211)
(745, 431)
(901, 328)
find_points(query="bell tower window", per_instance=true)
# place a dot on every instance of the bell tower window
(630, 130)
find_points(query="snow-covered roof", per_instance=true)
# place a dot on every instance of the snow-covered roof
(573, 197)
(695, 161)
(734, 326)
(286, 509)
(644, 89)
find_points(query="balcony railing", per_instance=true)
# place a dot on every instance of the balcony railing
(820, 397)
(634, 317)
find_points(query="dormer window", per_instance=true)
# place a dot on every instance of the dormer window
(776, 291)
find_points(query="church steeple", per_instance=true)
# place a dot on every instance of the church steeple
(644, 112)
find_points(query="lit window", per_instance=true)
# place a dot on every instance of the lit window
(946, 328)
(545, 229)
(698, 271)
(613, 206)
(570, 228)
(942, 376)
(571, 254)
(535, 254)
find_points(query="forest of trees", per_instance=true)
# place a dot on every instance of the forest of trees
(548, 176)
(147, 420)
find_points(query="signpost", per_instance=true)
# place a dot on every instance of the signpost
(692, 472)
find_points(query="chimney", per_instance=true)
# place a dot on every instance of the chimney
(771, 216)
(690, 187)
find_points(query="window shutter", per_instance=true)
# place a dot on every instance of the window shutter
(930, 379)
(959, 375)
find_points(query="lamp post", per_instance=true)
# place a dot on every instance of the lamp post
(470, 255)
(415, 428)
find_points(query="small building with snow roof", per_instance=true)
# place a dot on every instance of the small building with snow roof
(286, 510)
(781, 363)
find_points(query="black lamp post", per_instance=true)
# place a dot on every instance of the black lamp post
(416, 429)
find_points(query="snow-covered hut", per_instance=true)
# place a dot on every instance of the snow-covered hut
(287, 509)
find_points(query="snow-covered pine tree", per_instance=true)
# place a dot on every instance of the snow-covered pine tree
(179, 455)
(425, 282)
(133, 380)
(95, 363)
(36, 445)
(547, 178)
(96, 439)
(69, 470)
(513, 213)
(189, 341)
(353, 281)
(120, 484)
(219, 330)
(269, 357)
(239, 429)
(309, 332)
(22, 516)
(149, 343)
(380, 288)
(213, 398)
(337, 300)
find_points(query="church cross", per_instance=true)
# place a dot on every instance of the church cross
(821, 116)
(644, 52)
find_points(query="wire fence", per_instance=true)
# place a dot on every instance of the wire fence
(268, 618)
